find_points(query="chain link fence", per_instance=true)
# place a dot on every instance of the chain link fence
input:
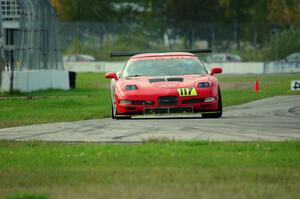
(37, 43)
(29, 35)
(98, 39)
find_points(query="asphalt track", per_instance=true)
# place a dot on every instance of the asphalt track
(273, 119)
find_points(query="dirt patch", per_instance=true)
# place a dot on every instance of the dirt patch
(237, 85)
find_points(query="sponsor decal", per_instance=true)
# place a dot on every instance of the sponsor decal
(167, 86)
(184, 92)
(295, 85)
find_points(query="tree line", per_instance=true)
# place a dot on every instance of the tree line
(258, 21)
(280, 12)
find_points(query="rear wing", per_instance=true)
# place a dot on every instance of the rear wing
(129, 54)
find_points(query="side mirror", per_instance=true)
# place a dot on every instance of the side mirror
(216, 70)
(111, 76)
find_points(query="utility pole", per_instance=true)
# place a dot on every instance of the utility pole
(1, 47)
(275, 32)
(277, 45)
(287, 15)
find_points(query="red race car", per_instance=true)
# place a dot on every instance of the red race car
(165, 83)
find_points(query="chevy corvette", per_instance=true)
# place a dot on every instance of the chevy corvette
(165, 83)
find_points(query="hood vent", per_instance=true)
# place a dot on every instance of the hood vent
(175, 79)
(157, 80)
(171, 79)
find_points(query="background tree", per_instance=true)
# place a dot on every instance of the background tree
(84, 10)
(250, 27)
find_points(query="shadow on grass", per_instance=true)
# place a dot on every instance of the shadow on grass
(27, 196)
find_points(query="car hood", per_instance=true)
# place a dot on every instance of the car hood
(162, 82)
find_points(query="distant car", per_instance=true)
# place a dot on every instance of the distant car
(295, 57)
(223, 57)
(78, 58)
(165, 83)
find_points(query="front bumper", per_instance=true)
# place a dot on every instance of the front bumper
(183, 105)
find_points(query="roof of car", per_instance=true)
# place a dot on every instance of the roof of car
(158, 55)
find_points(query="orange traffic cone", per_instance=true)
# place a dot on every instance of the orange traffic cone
(256, 86)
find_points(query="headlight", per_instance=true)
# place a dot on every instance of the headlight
(128, 102)
(130, 87)
(210, 99)
(203, 85)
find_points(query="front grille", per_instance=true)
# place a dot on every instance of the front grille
(168, 100)
(181, 110)
(154, 111)
(193, 101)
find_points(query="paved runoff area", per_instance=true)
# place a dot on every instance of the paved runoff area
(273, 119)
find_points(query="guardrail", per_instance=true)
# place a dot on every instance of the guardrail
(281, 67)
(94, 66)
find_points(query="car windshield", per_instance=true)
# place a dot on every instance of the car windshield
(164, 67)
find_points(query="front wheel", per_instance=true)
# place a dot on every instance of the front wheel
(114, 112)
(219, 110)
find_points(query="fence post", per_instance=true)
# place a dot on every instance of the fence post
(1, 68)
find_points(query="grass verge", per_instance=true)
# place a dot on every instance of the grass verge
(151, 170)
(238, 89)
(91, 98)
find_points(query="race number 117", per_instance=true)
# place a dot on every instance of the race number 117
(295, 85)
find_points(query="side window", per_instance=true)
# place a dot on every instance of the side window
(293, 58)
(218, 58)
(79, 58)
(230, 58)
(72, 58)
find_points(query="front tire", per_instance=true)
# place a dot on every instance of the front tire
(114, 112)
(219, 110)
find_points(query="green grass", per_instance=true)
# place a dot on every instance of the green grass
(90, 99)
(238, 89)
(151, 170)
(26, 196)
